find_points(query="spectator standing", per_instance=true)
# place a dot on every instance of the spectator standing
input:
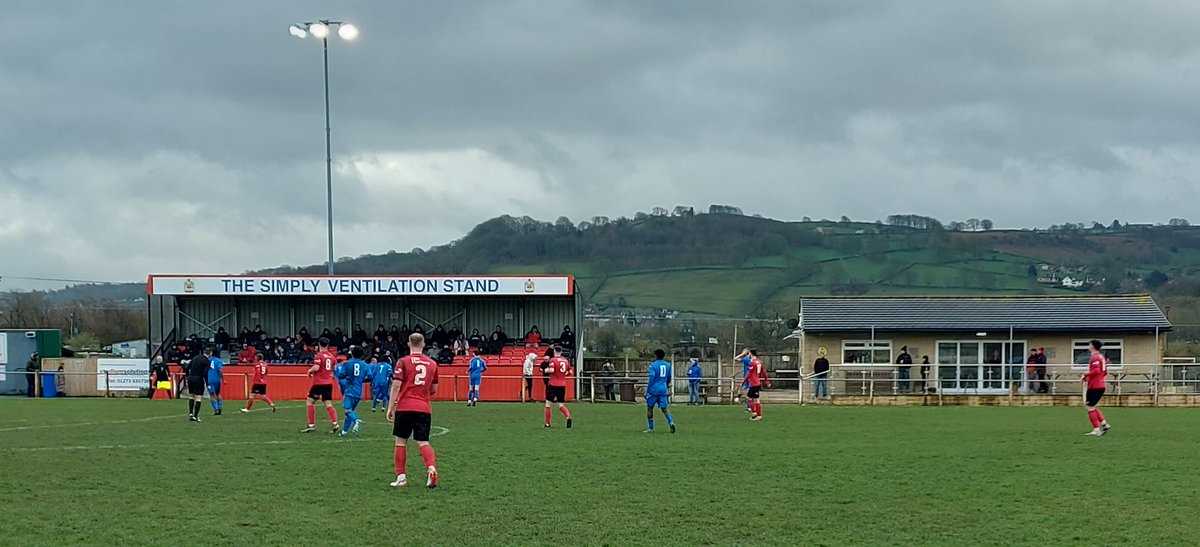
(60, 382)
(358, 336)
(1031, 370)
(1040, 371)
(476, 339)
(440, 337)
(609, 372)
(497, 340)
(533, 338)
(32, 368)
(694, 373)
(925, 374)
(159, 373)
(527, 371)
(903, 365)
(455, 333)
(821, 375)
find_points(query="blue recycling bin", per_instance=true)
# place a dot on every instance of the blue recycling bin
(49, 388)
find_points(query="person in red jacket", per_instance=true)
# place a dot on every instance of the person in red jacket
(1094, 383)
(533, 338)
(247, 356)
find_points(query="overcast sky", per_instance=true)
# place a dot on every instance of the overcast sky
(174, 136)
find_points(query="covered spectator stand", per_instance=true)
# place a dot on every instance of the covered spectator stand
(281, 306)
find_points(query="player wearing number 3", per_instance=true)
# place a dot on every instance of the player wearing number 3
(413, 383)
(556, 388)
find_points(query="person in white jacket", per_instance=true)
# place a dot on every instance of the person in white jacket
(527, 370)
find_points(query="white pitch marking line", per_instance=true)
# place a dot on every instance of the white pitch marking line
(441, 431)
(113, 422)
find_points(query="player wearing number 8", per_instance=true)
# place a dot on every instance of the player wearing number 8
(322, 386)
(353, 374)
(414, 382)
(556, 387)
(657, 391)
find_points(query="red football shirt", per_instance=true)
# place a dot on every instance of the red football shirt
(1097, 371)
(260, 372)
(415, 374)
(324, 361)
(754, 375)
(559, 367)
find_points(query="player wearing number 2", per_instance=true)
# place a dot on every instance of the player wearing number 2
(657, 391)
(556, 387)
(413, 383)
(322, 386)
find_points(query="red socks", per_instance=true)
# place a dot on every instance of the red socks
(332, 414)
(547, 415)
(312, 415)
(1094, 416)
(427, 455)
(401, 457)
(566, 413)
(249, 404)
(756, 408)
(1100, 415)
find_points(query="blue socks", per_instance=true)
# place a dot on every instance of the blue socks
(670, 420)
(650, 424)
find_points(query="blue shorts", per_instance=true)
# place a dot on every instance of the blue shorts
(380, 393)
(475, 381)
(350, 402)
(214, 389)
(659, 400)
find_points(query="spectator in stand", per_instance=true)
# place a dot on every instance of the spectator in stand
(440, 337)
(461, 347)
(303, 337)
(445, 356)
(328, 335)
(258, 331)
(381, 332)
(496, 341)
(609, 372)
(533, 338)
(222, 340)
(246, 357)
(821, 374)
(476, 339)
(389, 346)
(527, 370)
(903, 369)
(262, 343)
(397, 333)
(187, 351)
(291, 351)
(1040, 371)
(338, 340)
(567, 338)
(244, 337)
(278, 355)
(175, 354)
(455, 332)
(358, 336)
(695, 372)
(418, 329)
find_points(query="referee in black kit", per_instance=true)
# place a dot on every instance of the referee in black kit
(197, 374)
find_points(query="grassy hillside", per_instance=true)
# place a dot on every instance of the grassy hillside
(732, 265)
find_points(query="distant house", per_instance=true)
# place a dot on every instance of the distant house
(1071, 283)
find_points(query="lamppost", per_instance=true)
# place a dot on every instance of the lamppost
(320, 29)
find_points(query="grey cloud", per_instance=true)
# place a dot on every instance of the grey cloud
(206, 117)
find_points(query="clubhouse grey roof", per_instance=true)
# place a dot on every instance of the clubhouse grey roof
(1123, 313)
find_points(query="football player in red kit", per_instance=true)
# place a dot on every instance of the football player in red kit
(258, 389)
(1094, 384)
(756, 376)
(556, 389)
(414, 382)
(322, 386)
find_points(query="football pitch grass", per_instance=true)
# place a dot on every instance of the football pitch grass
(89, 471)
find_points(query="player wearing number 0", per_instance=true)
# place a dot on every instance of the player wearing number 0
(413, 383)
(322, 386)
(354, 373)
(1094, 382)
(556, 388)
(258, 389)
(657, 392)
(475, 372)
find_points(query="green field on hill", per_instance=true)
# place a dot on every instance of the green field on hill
(135, 472)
